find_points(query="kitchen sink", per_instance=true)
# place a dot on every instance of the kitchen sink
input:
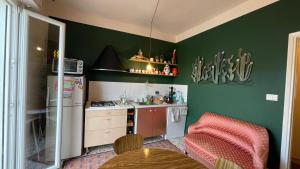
(145, 103)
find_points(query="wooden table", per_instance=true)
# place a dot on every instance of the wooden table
(149, 158)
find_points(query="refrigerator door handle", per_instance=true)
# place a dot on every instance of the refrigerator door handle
(48, 100)
(52, 100)
(48, 97)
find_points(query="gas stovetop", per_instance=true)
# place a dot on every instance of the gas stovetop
(102, 103)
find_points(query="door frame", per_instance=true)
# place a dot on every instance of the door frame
(290, 82)
(10, 73)
(22, 87)
(3, 34)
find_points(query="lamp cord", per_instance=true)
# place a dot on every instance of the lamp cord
(150, 36)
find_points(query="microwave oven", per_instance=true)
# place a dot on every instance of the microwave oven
(71, 66)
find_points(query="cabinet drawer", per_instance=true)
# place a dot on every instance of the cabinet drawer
(106, 122)
(104, 113)
(101, 137)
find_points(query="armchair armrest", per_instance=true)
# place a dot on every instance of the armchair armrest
(193, 128)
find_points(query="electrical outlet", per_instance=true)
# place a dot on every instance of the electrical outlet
(272, 97)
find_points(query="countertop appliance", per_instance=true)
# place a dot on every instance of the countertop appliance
(71, 66)
(72, 116)
(102, 103)
(176, 117)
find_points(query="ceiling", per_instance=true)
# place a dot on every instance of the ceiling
(173, 18)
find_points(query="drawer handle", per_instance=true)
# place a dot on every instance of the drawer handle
(108, 119)
(107, 132)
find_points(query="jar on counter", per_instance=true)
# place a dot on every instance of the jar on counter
(158, 99)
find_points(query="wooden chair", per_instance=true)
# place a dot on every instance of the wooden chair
(128, 143)
(222, 163)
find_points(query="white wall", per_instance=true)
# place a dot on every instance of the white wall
(100, 90)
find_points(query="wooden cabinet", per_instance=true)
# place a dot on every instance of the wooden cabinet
(151, 121)
(144, 122)
(104, 126)
(159, 121)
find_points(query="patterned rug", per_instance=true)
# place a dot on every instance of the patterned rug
(94, 161)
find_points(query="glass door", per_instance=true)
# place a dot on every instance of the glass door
(42, 40)
(3, 18)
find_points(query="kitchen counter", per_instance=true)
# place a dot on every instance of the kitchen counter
(128, 106)
(136, 105)
(131, 106)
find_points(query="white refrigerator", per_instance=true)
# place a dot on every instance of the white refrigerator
(72, 115)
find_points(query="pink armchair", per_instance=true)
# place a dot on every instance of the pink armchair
(214, 136)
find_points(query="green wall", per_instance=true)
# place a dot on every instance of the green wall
(264, 33)
(86, 42)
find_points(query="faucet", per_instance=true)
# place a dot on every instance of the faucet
(123, 98)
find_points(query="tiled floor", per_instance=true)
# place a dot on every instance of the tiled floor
(35, 165)
(31, 151)
(178, 142)
(94, 159)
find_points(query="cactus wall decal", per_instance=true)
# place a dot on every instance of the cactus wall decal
(197, 70)
(206, 72)
(243, 65)
(216, 67)
(231, 68)
(223, 69)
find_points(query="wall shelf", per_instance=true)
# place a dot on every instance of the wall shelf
(147, 61)
(151, 74)
(133, 73)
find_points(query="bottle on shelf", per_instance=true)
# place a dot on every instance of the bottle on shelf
(173, 61)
